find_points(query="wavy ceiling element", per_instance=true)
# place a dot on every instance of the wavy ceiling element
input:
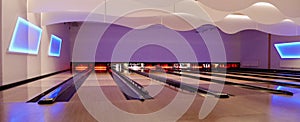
(261, 12)
(268, 15)
(43, 6)
(264, 13)
(296, 20)
(233, 25)
(228, 5)
(288, 7)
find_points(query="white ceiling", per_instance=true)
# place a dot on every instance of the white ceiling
(280, 17)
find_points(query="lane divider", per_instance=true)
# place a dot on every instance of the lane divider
(183, 86)
(235, 84)
(130, 88)
(50, 96)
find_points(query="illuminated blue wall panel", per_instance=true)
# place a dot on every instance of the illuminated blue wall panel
(26, 38)
(55, 46)
(288, 50)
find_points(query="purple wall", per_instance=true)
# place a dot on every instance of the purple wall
(254, 49)
(108, 41)
(150, 53)
(50, 63)
(276, 61)
(232, 46)
(158, 42)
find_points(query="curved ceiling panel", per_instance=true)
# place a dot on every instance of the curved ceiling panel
(183, 22)
(176, 23)
(231, 24)
(138, 23)
(60, 17)
(215, 15)
(124, 7)
(286, 28)
(132, 22)
(236, 23)
(195, 15)
(158, 3)
(228, 5)
(288, 7)
(296, 20)
(271, 16)
(264, 13)
(115, 7)
(42, 6)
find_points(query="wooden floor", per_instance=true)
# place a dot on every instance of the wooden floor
(27, 91)
(99, 99)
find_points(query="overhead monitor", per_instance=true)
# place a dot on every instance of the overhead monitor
(288, 50)
(55, 46)
(26, 38)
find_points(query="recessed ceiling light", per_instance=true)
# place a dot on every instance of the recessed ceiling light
(287, 20)
(266, 4)
(237, 16)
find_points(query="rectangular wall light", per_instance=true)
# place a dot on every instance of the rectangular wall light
(26, 38)
(55, 46)
(288, 50)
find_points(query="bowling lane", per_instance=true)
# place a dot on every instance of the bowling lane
(279, 74)
(268, 75)
(28, 91)
(100, 91)
(142, 80)
(88, 105)
(101, 83)
(151, 85)
(259, 78)
(260, 84)
(229, 89)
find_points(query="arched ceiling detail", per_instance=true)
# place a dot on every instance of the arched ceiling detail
(231, 16)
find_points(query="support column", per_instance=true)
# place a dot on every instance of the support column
(1, 79)
(269, 50)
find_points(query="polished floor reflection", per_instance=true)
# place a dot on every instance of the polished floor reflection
(99, 90)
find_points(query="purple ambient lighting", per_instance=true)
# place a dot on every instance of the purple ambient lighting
(288, 50)
(26, 38)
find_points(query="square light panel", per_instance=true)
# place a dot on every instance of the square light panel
(26, 38)
(55, 46)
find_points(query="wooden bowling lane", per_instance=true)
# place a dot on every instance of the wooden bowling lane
(101, 83)
(154, 87)
(270, 77)
(142, 80)
(253, 108)
(266, 85)
(105, 90)
(182, 79)
(232, 90)
(88, 105)
(279, 74)
(274, 75)
(28, 91)
(242, 75)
